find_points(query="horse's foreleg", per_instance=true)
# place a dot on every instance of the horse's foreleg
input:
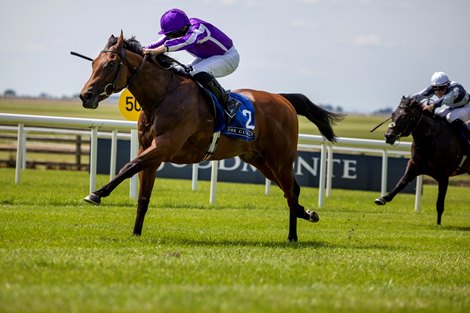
(147, 180)
(410, 174)
(127, 171)
(442, 190)
(147, 158)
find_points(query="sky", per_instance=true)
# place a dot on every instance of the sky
(360, 55)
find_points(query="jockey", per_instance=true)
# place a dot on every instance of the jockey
(452, 103)
(215, 53)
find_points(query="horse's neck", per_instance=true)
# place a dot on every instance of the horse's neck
(151, 85)
(426, 130)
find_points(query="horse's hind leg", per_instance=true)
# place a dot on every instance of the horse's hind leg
(442, 190)
(284, 178)
(301, 212)
(147, 180)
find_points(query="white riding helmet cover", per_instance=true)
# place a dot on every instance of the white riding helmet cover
(439, 79)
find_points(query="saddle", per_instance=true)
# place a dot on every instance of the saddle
(241, 125)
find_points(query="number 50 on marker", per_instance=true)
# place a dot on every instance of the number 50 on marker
(128, 106)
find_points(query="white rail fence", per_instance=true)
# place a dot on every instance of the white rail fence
(113, 129)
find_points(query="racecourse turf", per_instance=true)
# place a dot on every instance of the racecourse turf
(60, 254)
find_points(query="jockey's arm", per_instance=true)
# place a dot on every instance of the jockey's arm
(428, 105)
(155, 51)
(448, 98)
(424, 94)
(451, 97)
(424, 97)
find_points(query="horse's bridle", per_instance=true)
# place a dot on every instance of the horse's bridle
(110, 88)
(407, 131)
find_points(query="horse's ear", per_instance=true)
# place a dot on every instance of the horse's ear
(120, 40)
(111, 39)
(403, 97)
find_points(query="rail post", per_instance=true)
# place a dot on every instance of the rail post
(134, 152)
(195, 176)
(384, 178)
(93, 157)
(419, 191)
(214, 170)
(112, 165)
(21, 142)
(321, 179)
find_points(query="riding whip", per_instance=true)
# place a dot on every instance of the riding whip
(81, 56)
(372, 129)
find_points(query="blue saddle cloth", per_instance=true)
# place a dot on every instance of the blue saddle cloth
(243, 123)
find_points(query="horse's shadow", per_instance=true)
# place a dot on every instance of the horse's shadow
(455, 228)
(312, 244)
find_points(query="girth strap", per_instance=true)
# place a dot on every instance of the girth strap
(461, 164)
(212, 146)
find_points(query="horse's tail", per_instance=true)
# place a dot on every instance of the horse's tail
(323, 119)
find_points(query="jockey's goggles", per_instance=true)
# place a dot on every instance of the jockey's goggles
(438, 88)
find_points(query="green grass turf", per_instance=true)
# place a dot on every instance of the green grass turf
(59, 254)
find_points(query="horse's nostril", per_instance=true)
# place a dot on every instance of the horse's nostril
(86, 96)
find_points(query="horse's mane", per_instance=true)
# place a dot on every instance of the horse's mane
(134, 45)
(166, 61)
(413, 103)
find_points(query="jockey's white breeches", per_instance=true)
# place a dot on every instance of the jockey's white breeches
(217, 65)
(452, 114)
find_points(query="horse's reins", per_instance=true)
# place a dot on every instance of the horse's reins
(110, 89)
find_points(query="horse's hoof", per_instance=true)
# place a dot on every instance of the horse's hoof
(380, 201)
(93, 199)
(313, 216)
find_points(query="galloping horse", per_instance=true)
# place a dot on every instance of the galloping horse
(176, 125)
(436, 150)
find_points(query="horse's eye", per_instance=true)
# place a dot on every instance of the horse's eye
(391, 125)
(111, 64)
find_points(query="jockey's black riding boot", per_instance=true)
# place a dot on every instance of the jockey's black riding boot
(230, 104)
(461, 128)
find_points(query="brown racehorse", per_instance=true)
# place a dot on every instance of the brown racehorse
(437, 149)
(177, 124)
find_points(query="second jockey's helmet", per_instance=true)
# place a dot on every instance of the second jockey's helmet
(439, 79)
(173, 20)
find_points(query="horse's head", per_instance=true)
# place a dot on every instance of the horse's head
(109, 73)
(404, 119)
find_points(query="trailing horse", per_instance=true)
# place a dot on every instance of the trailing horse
(177, 124)
(436, 151)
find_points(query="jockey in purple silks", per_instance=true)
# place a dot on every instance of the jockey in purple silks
(215, 53)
